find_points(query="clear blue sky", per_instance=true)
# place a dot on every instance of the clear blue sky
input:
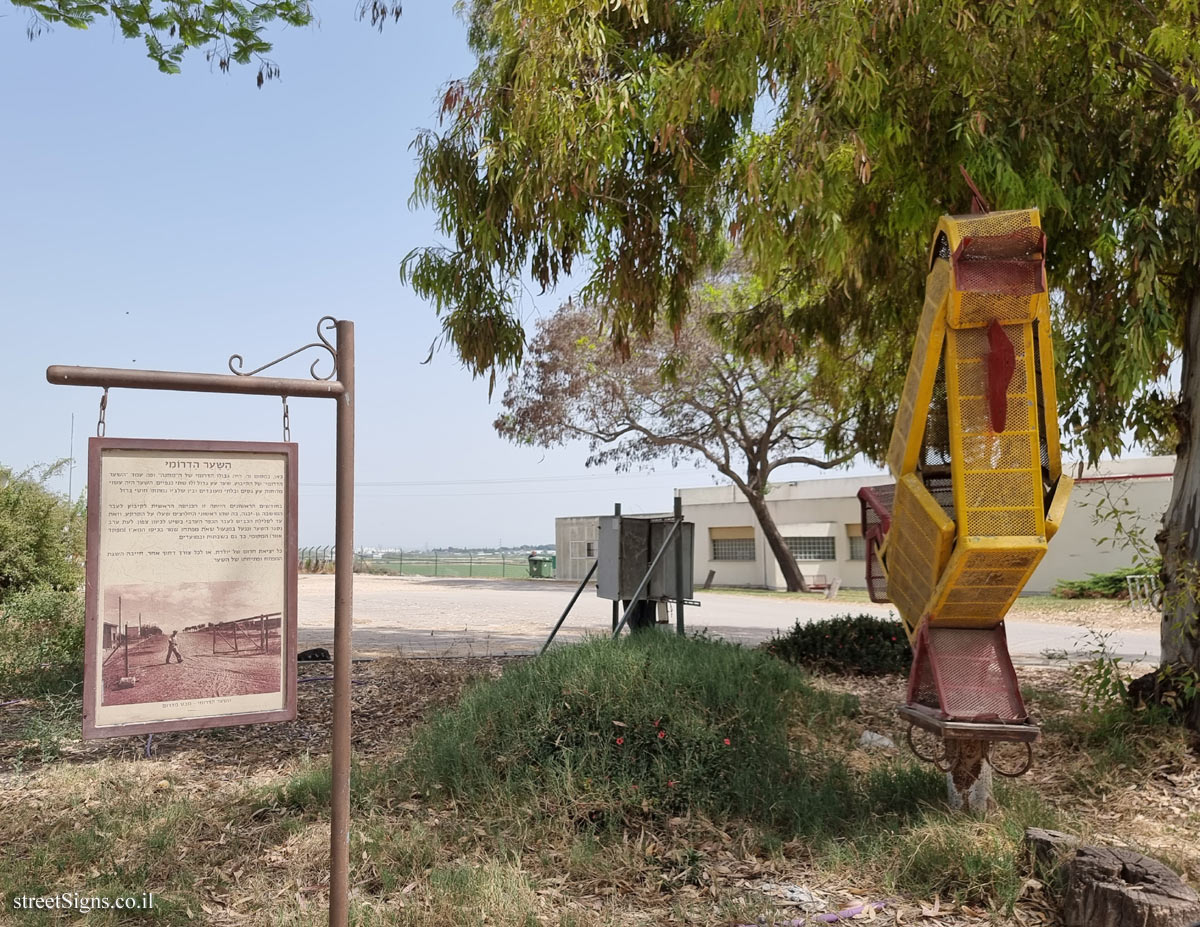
(166, 222)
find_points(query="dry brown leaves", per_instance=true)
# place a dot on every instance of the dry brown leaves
(389, 696)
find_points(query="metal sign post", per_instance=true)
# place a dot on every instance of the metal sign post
(337, 385)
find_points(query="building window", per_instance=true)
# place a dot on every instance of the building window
(583, 550)
(733, 548)
(732, 543)
(858, 548)
(812, 548)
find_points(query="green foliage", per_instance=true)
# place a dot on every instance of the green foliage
(41, 570)
(1101, 678)
(230, 32)
(41, 534)
(41, 641)
(1109, 585)
(863, 644)
(636, 137)
(655, 724)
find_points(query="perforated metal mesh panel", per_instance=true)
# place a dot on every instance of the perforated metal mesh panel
(935, 446)
(982, 579)
(967, 674)
(998, 268)
(918, 546)
(1008, 222)
(998, 488)
(909, 427)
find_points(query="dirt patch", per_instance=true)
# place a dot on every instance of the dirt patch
(389, 696)
(1101, 614)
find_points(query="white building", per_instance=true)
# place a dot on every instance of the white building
(1112, 507)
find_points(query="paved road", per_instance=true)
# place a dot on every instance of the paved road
(425, 616)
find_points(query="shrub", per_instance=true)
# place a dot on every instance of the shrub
(41, 640)
(862, 644)
(649, 724)
(1109, 585)
(41, 534)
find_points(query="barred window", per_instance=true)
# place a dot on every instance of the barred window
(858, 548)
(733, 548)
(808, 548)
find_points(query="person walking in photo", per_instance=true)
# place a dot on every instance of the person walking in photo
(172, 649)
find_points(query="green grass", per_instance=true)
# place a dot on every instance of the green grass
(657, 725)
(486, 569)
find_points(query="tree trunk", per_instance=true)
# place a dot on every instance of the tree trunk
(1179, 539)
(787, 563)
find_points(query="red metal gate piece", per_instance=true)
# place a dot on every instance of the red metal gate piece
(876, 504)
(965, 674)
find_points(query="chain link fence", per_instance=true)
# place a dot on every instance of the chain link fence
(424, 563)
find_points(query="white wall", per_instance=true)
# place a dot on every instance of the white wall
(1108, 519)
(1140, 487)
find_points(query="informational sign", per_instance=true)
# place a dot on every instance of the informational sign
(191, 585)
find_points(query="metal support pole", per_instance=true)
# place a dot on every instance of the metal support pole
(342, 390)
(343, 617)
(969, 776)
(679, 567)
(567, 610)
(616, 606)
(646, 579)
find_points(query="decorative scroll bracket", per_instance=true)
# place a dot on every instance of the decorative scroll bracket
(329, 323)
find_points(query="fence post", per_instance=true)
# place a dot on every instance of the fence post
(470, 564)
(435, 563)
(503, 566)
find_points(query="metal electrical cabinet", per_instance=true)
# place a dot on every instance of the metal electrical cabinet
(625, 548)
(662, 581)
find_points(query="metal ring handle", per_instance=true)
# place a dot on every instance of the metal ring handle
(935, 760)
(1021, 771)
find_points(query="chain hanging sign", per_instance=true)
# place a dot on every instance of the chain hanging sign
(191, 585)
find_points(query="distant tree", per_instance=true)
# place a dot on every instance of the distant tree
(686, 395)
(229, 32)
(41, 534)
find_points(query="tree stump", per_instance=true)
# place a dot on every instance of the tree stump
(1049, 848)
(1110, 887)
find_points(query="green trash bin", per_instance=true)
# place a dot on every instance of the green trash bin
(540, 566)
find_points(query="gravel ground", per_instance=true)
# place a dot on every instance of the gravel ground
(429, 616)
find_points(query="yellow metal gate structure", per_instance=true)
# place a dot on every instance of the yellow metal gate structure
(979, 485)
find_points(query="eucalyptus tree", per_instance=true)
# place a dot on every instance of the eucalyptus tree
(228, 32)
(688, 395)
(625, 140)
